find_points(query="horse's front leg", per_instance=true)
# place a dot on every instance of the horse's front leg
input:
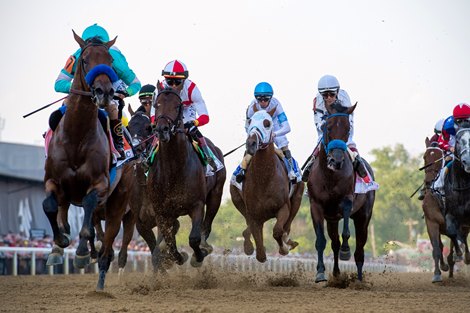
(51, 209)
(318, 224)
(279, 233)
(128, 223)
(435, 237)
(332, 227)
(345, 251)
(256, 230)
(99, 235)
(212, 208)
(195, 236)
(361, 224)
(90, 202)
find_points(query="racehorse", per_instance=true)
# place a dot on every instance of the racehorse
(457, 195)
(265, 191)
(78, 162)
(178, 186)
(433, 215)
(331, 186)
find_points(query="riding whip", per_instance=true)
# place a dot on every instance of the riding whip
(46, 106)
(234, 150)
(417, 190)
(310, 157)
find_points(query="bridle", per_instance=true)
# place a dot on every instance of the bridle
(329, 145)
(173, 123)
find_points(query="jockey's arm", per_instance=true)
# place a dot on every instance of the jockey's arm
(63, 83)
(200, 107)
(124, 72)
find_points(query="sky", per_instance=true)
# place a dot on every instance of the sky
(405, 62)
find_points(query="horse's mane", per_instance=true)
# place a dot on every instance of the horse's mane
(94, 41)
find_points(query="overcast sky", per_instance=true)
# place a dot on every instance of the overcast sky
(406, 63)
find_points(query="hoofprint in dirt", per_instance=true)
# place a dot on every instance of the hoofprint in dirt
(210, 290)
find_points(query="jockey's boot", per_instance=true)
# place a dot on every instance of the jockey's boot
(240, 176)
(116, 132)
(205, 148)
(290, 167)
(360, 168)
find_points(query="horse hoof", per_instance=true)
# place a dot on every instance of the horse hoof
(458, 258)
(292, 244)
(81, 261)
(437, 279)
(444, 267)
(261, 259)
(194, 262)
(101, 278)
(248, 247)
(184, 256)
(320, 278)
(284, 250)
(98, 245)
(344, 255)
(93, 260)
(207, 248)
(54, 259)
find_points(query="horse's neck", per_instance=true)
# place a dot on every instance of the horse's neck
(176, 151)
(323, 164)
(81, 116)
(264, 161)
(460, 178)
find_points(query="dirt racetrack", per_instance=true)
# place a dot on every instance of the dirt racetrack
(209, 290)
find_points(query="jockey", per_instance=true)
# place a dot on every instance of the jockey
(195, 112)
(328, 93)
(127, 85)
(264, 100)
(435, 138)
(460, 114)
(145, 98)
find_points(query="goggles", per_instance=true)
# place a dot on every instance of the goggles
(327, 94)
(173, 81)
(263, 98)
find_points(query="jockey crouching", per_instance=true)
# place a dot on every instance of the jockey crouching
(264, 100)
(195, 112)
(328, 93)
(127, 85)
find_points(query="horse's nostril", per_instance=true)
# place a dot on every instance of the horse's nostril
(99, 92)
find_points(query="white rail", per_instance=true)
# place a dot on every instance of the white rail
(141, 261)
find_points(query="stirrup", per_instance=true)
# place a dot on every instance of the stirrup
(421, 194)
(306, 175)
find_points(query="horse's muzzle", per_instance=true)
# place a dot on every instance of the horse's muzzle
(163, 133)
(335, 160)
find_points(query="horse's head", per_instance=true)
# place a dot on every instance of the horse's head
(336, 133)
(260, 131)
(140, 129)
(462, 146)
(432, 155)
(168, 112)
(94, 70)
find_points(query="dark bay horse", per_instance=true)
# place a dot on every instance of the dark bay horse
(78, 162)
(331, 190)
(433, 215)
(265, 192)
(178, 186)
(457, 195)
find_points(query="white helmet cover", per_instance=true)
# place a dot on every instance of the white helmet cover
(328, 83)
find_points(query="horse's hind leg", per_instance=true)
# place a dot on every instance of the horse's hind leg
(332, 227)
(443, 265)
(361, 224)
(295, 201)
(452, 233)
(279, 233)
(82, 257)
(451, 260)
(212, 207)
(195, 237)
(248, 247)
(128, 223)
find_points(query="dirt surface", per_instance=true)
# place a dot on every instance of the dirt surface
(209, 290)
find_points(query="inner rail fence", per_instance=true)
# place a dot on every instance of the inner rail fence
(32, 261)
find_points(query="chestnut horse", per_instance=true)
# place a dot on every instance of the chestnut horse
(433, 215)
(331, 190)
(78, 162)
(265, 192)
(178, 186)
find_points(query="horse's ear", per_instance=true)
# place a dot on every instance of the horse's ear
(351, 109)
(255, 108)
(130, 110)
(427, 142)
(78, 39)
(111, 43)
(159, 86)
